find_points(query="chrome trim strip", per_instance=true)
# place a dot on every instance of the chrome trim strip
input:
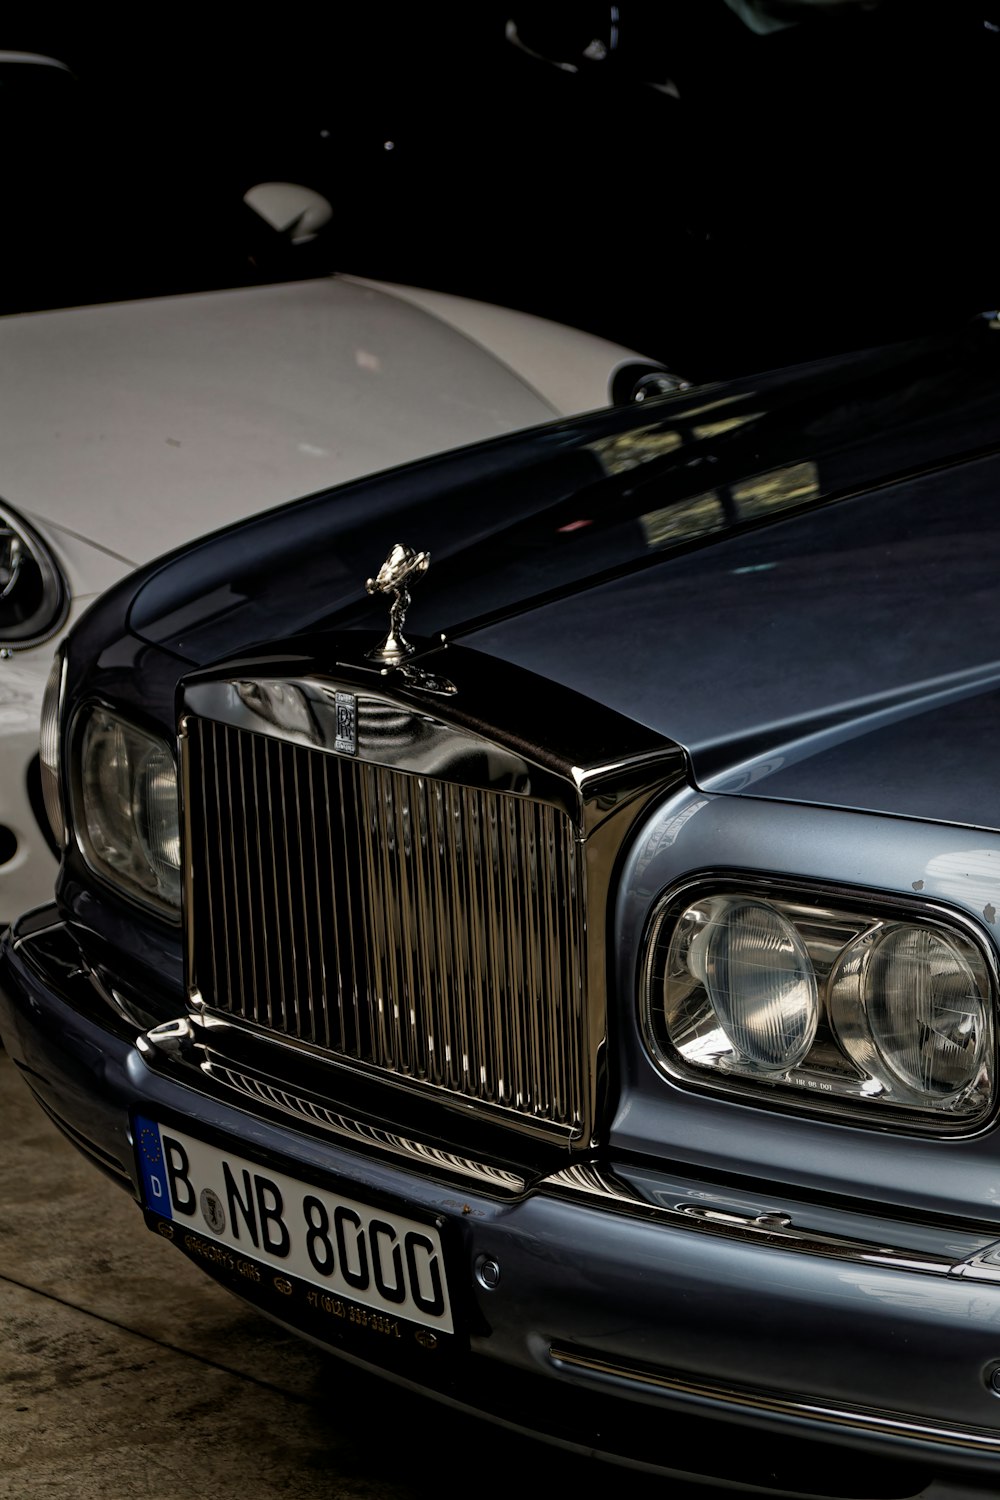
(288, 1061)
(858, 1418)
(302, 710)
(770, 1227)
(178, 1042)
(983, 1266)
(359, 1132)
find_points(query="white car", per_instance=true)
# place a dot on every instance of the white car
(132, 427)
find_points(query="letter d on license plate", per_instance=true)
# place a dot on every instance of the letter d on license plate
(379, 1259)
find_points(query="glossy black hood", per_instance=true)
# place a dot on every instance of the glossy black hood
(793, 577)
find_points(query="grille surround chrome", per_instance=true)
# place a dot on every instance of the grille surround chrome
(513, 980)
(365, 1134)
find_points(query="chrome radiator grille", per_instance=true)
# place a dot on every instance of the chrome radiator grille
(430, 930)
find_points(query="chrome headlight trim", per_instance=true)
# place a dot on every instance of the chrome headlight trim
(116, 842)
(806, 1088)
(34, 594)
(50, 747)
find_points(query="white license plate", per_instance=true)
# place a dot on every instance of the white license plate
(366, 1255)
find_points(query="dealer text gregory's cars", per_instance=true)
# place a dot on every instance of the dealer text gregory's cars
(528, 920)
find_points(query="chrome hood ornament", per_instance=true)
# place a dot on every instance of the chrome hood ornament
(394, 577)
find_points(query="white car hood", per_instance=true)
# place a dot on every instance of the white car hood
(136, 426)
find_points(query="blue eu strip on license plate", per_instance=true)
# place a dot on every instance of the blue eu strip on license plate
(382, 1260)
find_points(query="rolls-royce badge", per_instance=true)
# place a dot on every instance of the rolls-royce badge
(394, 577)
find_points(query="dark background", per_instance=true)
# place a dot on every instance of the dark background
(717, 198)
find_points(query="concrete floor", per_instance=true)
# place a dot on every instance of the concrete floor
(124, 1372)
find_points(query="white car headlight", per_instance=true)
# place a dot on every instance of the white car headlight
(126, 814)
(33, 593)
(855, 1006)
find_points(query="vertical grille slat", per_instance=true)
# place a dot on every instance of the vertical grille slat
(286, 907)
(432, 977)
(347, 977)
(310, 941)
(256, 881)
(206, 893)
(321, 1010)
(463, 944)
(429, 930)
(233, 884)
(529, 911)
(271, 914)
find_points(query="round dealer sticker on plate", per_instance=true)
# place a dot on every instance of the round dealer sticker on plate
(212, 1210)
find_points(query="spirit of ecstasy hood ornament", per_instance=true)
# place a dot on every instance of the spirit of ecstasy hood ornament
(394, 577)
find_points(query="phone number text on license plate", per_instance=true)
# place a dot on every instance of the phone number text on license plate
(382, 1260)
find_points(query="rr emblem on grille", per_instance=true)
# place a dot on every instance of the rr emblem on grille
(346, 739)
(394, 577)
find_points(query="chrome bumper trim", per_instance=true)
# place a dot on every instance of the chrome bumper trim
(361, 1132)
(770, 1226)
(764, 1403)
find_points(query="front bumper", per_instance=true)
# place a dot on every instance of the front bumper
(611, 1306)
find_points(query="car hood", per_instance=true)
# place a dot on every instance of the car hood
(793, 578)
(138, 425)
(850, 658)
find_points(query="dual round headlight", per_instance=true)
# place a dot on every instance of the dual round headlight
(880, 1006)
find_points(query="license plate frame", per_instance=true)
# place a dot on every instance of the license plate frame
(249, 1227)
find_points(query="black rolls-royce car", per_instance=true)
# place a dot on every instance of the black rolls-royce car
(528, 920)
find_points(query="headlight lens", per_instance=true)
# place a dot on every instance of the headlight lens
(128, 821)
(910, 997)
(33, 594)
(861, 1009)
(757, 979)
